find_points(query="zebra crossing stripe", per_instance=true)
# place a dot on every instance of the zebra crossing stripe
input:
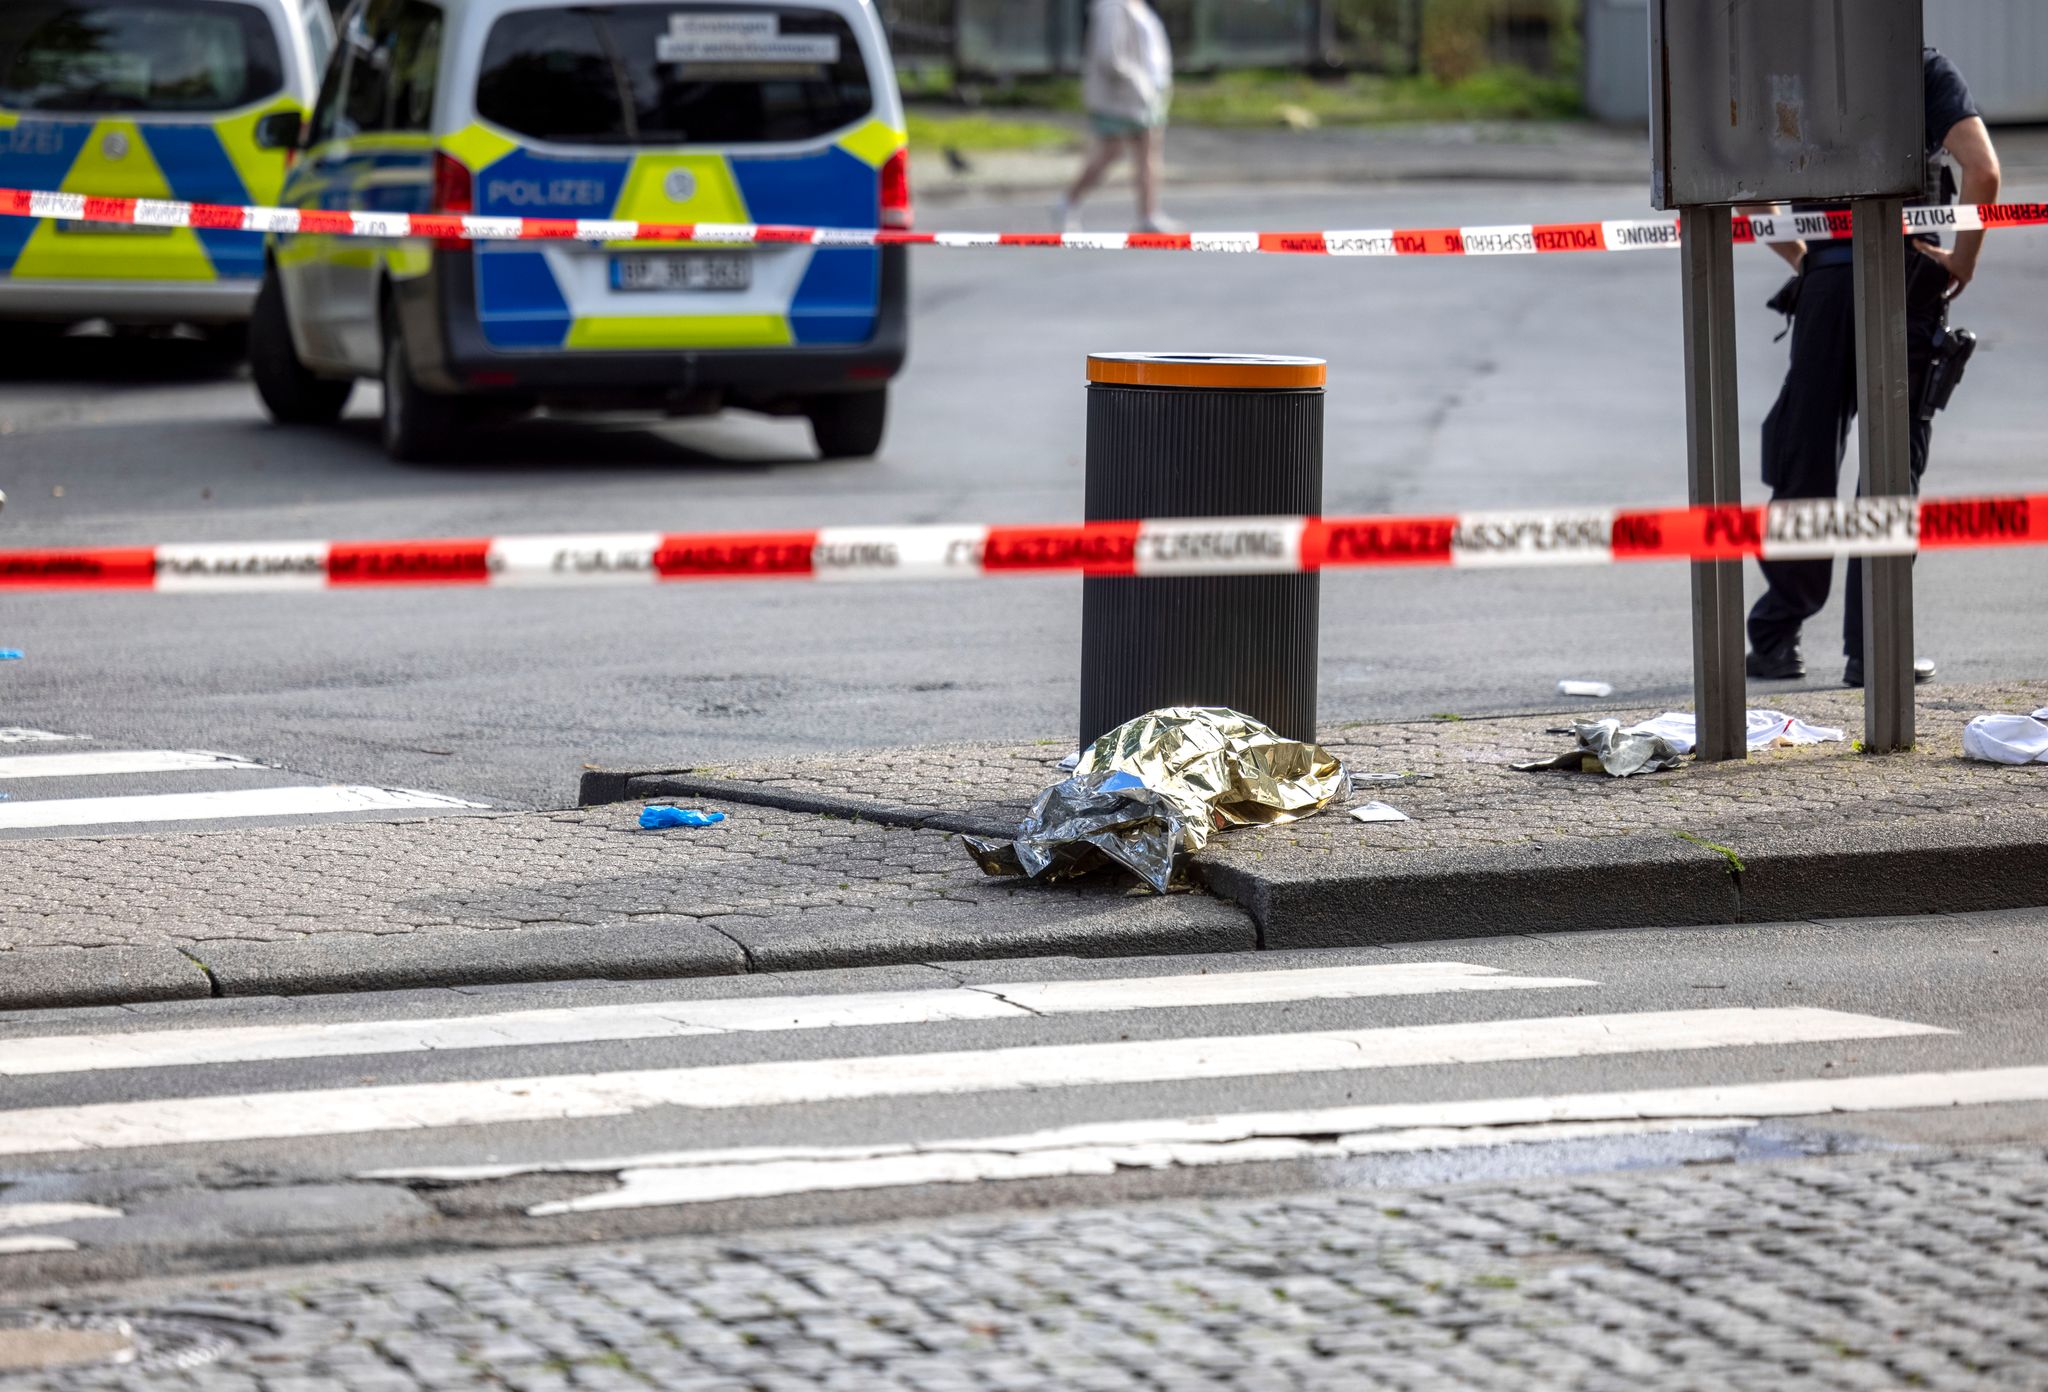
(100, 763)
(211, 806)
(426, 1106)
(681, 1178)
(85, 1053)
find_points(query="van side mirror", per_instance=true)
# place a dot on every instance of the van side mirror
(280, 130)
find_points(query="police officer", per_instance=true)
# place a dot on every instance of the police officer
(1807, 432)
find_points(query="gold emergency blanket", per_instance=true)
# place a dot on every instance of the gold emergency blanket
(1158, 787)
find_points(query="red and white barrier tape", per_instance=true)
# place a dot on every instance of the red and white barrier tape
(1509, 239)
(1198, 546)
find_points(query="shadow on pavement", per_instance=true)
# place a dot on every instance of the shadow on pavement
(35, 353)
(541, 444)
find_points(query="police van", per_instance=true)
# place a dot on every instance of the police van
(197, 100)
(664, 111)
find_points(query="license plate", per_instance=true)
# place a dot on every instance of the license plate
(694, 271)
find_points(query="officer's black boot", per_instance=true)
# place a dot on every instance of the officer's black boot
(1776, 661)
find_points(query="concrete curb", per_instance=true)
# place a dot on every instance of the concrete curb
(1959, 863)
(97, 976)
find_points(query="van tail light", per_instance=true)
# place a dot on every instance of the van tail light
(897, 211)
(454, 192)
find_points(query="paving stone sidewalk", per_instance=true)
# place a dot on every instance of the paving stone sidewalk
(460, 900)
(1919, 1270)
(1791, 833)
(854, 861)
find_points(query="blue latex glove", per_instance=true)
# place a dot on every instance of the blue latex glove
(662, 818)
(10, 654)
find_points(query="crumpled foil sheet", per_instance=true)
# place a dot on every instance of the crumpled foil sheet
(1154, 789)
(1620, 753)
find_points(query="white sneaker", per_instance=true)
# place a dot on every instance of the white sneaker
(1066, 217)
(1162, 225)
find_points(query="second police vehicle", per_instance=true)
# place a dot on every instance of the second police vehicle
(644, 110)
(184, 100)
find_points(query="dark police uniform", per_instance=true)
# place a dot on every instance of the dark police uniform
(1807, 432)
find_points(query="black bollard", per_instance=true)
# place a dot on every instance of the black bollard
(1192, 435)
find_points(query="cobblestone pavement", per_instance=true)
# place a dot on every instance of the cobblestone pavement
(1903, 1270)
(1477, 800)
(478, 874)
(833, 880)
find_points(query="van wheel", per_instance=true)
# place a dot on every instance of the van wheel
(420, 427)
(849, 425)
(291, 394)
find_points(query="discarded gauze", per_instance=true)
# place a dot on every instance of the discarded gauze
(1766, 728)
(1154, 789)
(2008, 739)
(1662, 743)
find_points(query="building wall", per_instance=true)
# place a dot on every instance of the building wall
(2000, 45)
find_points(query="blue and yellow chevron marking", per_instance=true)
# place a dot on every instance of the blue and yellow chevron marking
(120, 157)
(521, 304)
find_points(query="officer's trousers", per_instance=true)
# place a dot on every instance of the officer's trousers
(1807, 433)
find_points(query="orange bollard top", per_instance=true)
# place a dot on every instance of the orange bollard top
(1209, 370)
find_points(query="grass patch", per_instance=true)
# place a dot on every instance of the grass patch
(1260, 98)
(1495, 1282)
(1735, 865)
(932, 130)
(1244, 100)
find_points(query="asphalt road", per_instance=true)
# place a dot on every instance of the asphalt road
(233, 1132)
(1454, 384)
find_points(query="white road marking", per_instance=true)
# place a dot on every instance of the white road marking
(18, 734)
(688, 1177)
(34, 1242)
(114, 761)
(669, 1188)
(422, 1106)
(43, 1215)
(83, 1053)
(246, 802)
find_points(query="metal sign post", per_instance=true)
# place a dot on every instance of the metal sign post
(1884, 414)
(1760, 102)
(1714, 470)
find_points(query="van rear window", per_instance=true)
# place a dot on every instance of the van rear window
(135, 55)
(673, 75)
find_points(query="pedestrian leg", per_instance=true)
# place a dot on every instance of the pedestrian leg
(1151, 156)
(1102, 157)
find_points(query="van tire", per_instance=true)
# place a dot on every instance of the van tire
(849, 425)
(420, 427)
(291, 394)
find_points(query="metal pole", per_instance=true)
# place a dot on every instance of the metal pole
(1714, 460)
(1884, 425)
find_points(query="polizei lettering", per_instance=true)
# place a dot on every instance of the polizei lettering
(1567, 239)
(1394, 542)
